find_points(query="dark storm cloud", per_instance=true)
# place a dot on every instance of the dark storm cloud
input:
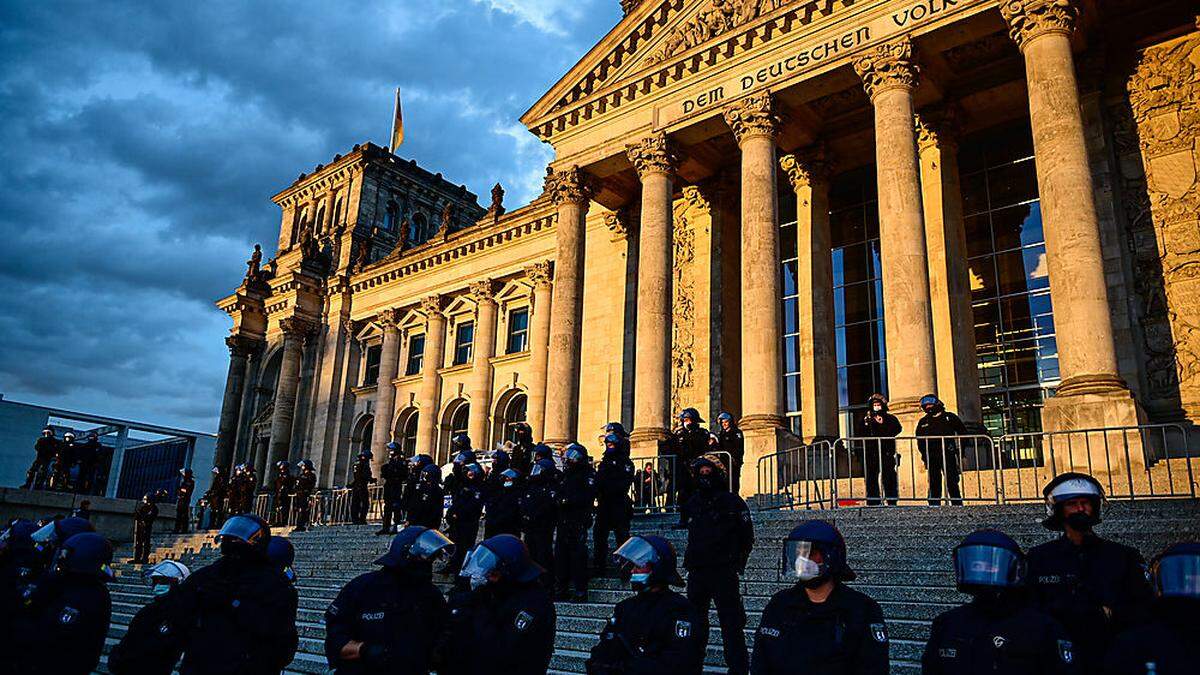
(140, 144)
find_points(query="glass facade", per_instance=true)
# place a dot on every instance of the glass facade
(1010, 288)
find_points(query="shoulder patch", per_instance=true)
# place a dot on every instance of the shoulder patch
(68, 616)
(683, 629)
(523, 621)
(948, 653)
(879, 632)
(1066, 652)
(164, 628)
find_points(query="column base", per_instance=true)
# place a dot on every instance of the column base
(644, 441)
(1091, 402)
(1075, 422)
(761, 440)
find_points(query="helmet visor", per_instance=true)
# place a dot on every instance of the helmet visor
(636, 552)
(803, 560)
(987, 566)
(481, 562)
(168, 569)
(537, 470)
(431, 545)
(575, 455)
(1179, 576)
(241, 529)
(44, 536)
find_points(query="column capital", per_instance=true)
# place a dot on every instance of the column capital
(294, 326)
(569, 186)
(806, 167)
(938, 128)
(653, 154)
(890, 65)
(753, 116)
(1030, 19)
(241, 346)
(389, 318)
(617, 223)
(540, 273)
(698, 198)
(432, 305)
(483, 290)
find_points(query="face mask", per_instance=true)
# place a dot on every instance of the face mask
(639, 580)
(877, 408)
(807, 570)
(478, 582)
(161, 589)
(508, 483)
(707, 482)
(1079, 521)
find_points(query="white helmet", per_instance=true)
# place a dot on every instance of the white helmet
(169, 570)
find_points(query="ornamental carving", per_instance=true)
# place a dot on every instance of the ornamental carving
(296, 327)
(652, 154)
(696, 201)
(712, 19)
(938, 128)
(753, 116)
(888, 66)
(568, 186)
(806, 167)
(483, 290)
(432, 305)
(617, 223)
(388, 318)
(241, 346)
(1028, 19)
(540, 274)
(683, 306)
(628, 6)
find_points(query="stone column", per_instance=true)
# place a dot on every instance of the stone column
(240, 348)
(480, 388)
(889, 75)
(655, 164)
(571, 192)
(295, 332)
(1092, 393)
(808, 172)
(755, 125)
(540, 275)
(385, 390)
(429, 397)
(949, 280)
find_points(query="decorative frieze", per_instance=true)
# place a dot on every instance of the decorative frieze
(890, 65)
(753, 116)
(652, 154)
(1028, 19)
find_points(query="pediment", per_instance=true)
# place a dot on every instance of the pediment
(657, 32)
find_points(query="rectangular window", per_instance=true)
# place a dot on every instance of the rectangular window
(518, 331)
(464, 341)
(416, 354)
(371, 365)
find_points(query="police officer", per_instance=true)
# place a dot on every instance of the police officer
(390, 620)
(576, 507)
(502, 504)
(687, 444)
(395, 475)
(879, 428)
(284, 485)
(144, 515)
(1165, 645)
(461, 455)
(183, 500)
(49, 538)
(306, 484)
(731, 440)
(618, 429)
(614, 508)
(86, 454)
(539, 512)
(360, 480)
(64, 616)
(466, 507)
(19, 567)
(522, 450)
(153, 642)
(506, 623)
(720, 538)
(940, 454)
(657, 631)
(45, 449)
(998, 631)
(1094, 587)
(820, 625)
(63, 459)
(240, 611)
(428, 498)
(501, 461)
(241, 490)
(217, 494)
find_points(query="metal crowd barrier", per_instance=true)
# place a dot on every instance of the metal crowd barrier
(1149, 461)
(661, 493)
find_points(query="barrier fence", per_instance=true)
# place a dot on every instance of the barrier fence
(1149, 461)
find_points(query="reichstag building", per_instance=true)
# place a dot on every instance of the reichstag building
(770, 207)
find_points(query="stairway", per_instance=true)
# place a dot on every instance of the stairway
(902, 556)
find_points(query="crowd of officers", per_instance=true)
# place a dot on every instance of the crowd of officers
(64, 464)
(1076, 604)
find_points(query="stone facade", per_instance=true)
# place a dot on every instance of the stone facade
(700, 148)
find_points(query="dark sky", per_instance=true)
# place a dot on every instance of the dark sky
(140, 143)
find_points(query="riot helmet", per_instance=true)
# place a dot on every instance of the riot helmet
(166, 575)
(282, 555)
(416, 545)
(724, 417)
(244, 534)
(419, 461)
(815, 551)
(931, 404)
(50, 535)
(48, 432)
(988, 561)
(306, 464)
(86, 554)
(542, 451)
(691, 414)
(1175, 573)
(575, 455)
(542, 467)
(1065, 488)
(612, 443)
(709, 474)
(69, 436)
(365, 453)
(616, 428)
(500, 559)
(463, 457)
(473, 472)
(460, 442)
(282, 466)
(431, 473)
(647, 561)
(508, 477)
(500, 461)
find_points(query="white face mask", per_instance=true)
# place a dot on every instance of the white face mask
(806, 570)
(161, 589)
(508, 483)
(478, 582)
(639, 580)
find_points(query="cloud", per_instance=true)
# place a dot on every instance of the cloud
(140, 144)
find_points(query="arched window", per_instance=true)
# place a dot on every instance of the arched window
(338, 216)
(408, 435)
(514, 413)
(418, 234)
(454, 421)
(391, 216)
(458, 423)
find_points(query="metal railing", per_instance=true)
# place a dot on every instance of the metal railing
(660, 491)
(1149, 461)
